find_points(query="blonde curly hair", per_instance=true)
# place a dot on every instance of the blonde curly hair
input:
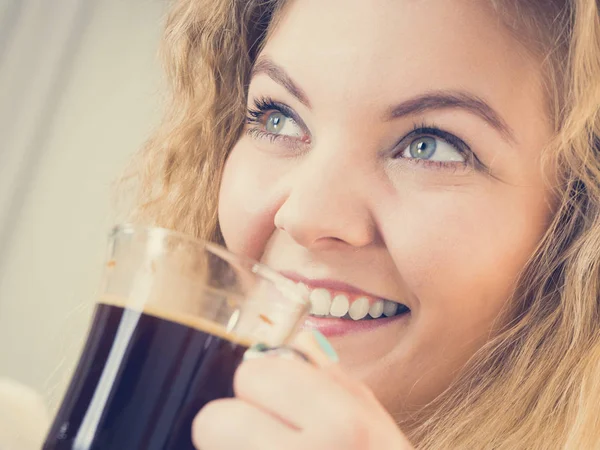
(536, 385)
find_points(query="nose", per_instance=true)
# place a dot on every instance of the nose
(326, 205)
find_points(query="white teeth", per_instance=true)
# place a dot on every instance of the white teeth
(376, 309)
(359, 308)
(323, 305)
(320, 301)
(339, 306)
(389, 308)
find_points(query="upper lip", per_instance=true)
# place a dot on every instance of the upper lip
(333, 285)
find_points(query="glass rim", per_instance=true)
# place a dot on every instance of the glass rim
(220, 251)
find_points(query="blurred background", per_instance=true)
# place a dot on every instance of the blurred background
(80, 91)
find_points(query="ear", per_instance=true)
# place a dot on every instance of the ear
(24, 418)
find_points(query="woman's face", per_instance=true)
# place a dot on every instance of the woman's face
(393, 152)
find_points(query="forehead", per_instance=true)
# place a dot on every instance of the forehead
(352, 49)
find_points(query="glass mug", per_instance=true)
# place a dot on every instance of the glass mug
(173, 321)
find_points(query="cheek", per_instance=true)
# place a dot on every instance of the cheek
(460, 253)
(248, 201)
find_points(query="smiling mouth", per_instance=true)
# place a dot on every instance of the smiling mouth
(336, 300)
(340, 305)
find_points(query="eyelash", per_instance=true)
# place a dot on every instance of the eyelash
(264, 105)
(427, 129)
(255, 116)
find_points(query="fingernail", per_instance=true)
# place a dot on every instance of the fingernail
(262, 351)
(256, 351)
(325, 346)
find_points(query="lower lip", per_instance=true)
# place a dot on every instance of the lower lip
(331, 327)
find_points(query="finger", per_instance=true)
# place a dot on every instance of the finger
(233, 424)
(297, 393)
(318, 350)
(311, 347)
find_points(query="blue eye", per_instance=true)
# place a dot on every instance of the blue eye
(275, 122)
(430, 148)
(423, 148)
(278, 123)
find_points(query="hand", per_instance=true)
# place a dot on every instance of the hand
(284, 403)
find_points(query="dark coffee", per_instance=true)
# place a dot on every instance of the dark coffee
(140, 382)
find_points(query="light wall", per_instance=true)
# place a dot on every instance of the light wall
(80, 91)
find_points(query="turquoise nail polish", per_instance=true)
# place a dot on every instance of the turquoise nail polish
(325, 346)
(256, 351)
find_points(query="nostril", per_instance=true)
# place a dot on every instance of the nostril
(331, 240)
(314, 221)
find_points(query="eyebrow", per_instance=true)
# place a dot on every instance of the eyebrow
(430, 101)
(266, 66)
(454, 100)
